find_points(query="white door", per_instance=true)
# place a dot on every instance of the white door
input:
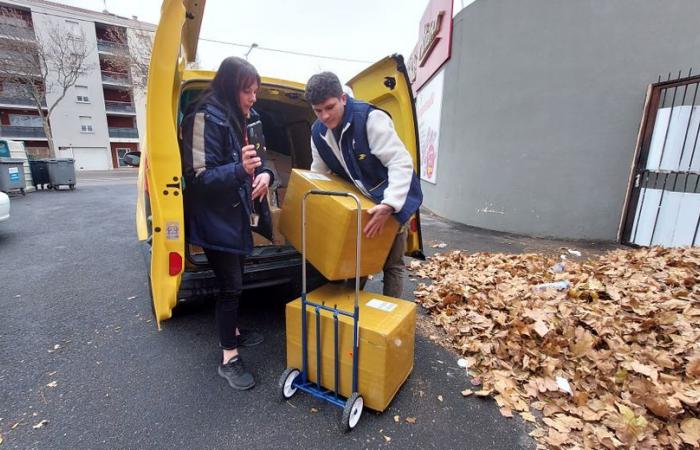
(90, 158)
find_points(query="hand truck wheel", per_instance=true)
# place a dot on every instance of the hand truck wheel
(352, 412)
(285, 384)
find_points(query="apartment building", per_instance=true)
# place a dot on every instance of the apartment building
(102, 116)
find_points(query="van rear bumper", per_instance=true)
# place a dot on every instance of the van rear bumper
(256, 274)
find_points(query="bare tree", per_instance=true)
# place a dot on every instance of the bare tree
(132, 52)
(52, 64)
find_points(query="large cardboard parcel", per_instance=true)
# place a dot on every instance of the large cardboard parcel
(387, 332)
(331, 226)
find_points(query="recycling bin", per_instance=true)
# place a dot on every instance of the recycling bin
(12, 175)
(61, 173)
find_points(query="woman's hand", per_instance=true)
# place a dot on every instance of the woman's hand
(260, 185)
(250, 159)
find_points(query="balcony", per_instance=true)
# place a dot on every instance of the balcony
(16, 32)
(119, 107)
(111, 47)
(131, 133)
(18, 100)
(9, 131)
(116, 78)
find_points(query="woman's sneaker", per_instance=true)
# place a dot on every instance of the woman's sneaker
(236, 374)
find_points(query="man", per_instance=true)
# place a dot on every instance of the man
(358, 142)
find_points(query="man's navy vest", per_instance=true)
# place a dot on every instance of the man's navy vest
(361, 163)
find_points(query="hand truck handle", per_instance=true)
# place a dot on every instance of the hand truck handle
(357, 242)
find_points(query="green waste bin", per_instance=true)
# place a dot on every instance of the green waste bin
(12, 175)
(61, 173)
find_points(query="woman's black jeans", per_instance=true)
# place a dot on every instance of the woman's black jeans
(228, 268)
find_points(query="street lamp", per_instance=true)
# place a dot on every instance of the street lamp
(252, 46)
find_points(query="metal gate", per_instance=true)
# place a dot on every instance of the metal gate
(663, 202)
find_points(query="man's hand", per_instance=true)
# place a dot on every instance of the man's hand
(380, 214)
(260, 185)
(250, 159)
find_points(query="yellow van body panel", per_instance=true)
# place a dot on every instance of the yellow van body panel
(385, 85)
(141, 216)
(162, 168)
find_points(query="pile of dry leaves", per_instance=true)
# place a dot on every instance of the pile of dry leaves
(612, 360)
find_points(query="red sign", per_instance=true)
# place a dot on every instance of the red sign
(434, 43)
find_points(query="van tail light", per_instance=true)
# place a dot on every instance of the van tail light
(175, 263)
(413, 225)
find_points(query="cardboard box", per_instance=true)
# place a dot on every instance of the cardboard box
(277, 237)
(331, 227)
(387, 334)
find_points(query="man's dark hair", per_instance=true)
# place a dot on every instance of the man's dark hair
(322, 86)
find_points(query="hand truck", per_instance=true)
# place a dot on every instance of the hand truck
(292, 379)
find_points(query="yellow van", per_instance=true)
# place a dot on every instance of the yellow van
(177, 270)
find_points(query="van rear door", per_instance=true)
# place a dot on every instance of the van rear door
(385, 84)
(174, 45)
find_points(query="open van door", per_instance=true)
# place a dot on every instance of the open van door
(160, 172)
(385, 84)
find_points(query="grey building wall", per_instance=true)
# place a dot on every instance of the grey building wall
(542, 105)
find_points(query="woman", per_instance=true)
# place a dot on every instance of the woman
(223, 177)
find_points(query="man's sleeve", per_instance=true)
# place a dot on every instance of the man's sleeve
(317, 163)
(385, 144)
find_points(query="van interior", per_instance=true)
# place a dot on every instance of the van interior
(287, 120)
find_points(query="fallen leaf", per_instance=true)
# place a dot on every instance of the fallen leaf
(387, 438)
(314, 410)
(506, 412)
(52, 384)
(528, 416)
(483, 393)
(467, 392)
(411, 420)
(691, 431)
(541, 328)
(40, 424)
(693, 367)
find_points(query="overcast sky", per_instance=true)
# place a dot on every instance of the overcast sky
(365, 30)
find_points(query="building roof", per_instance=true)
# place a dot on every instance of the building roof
(80, 13)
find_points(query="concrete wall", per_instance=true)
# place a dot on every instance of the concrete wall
(542, 106)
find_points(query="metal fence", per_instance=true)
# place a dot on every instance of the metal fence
(111, 47)
(10, 131)
(19, 101)
(115, 132)
(16, 32)
(116, 106)
(119, 78)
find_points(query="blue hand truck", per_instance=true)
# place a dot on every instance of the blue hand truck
(292, 379)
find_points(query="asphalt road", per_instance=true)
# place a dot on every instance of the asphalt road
(79, 349)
